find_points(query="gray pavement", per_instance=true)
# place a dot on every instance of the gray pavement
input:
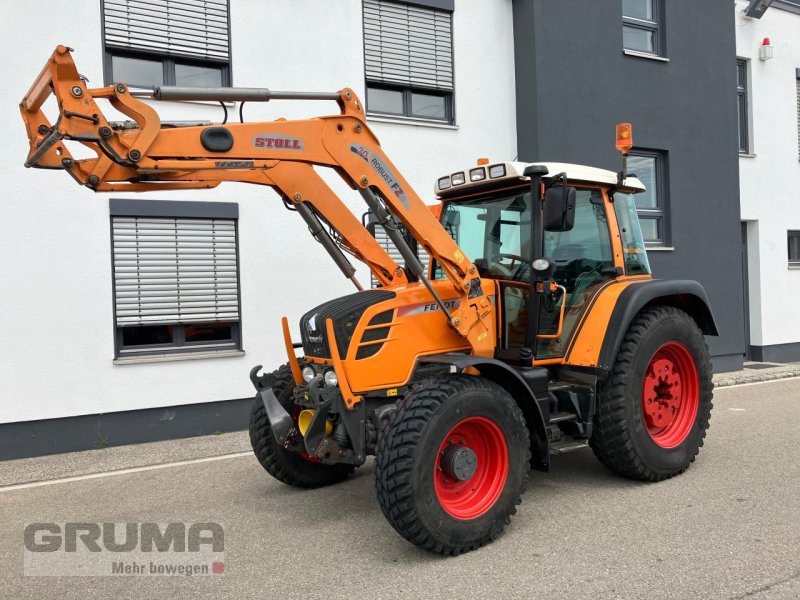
(728, 528)
(758, 371)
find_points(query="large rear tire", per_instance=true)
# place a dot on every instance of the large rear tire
(298, 470)
(452, 464)
(654, 409)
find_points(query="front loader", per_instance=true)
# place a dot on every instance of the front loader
(536, 327)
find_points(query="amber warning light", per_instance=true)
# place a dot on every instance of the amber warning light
(624, 138)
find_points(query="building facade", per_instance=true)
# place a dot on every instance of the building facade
(769, 166)
(108, 340)
(667, 67)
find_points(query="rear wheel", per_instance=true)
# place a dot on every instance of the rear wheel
(451, 466)
(655, 408)
(299, 470)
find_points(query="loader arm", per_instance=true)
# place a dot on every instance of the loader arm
(280, 154)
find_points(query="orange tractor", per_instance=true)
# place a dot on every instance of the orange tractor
(535, 328)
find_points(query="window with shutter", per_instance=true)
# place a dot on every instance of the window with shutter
(176, 281)
(386, 242)
(408, 59)
(167, 42)
(797, 84)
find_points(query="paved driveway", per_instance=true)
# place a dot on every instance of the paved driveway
(728, 528)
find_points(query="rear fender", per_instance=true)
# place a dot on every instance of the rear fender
(688, 296)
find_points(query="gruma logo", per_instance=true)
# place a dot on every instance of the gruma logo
(91, 549)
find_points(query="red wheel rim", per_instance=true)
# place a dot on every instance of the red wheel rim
(670, 395)
(471, 498)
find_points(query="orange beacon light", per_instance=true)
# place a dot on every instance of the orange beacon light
(624, 138)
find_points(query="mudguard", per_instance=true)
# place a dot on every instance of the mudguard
(686, 295)
(508, 378)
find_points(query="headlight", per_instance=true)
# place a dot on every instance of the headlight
(308, 374)
(330, 378)
(457, 178)
(444, 183)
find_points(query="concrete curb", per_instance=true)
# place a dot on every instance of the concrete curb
(755, 376)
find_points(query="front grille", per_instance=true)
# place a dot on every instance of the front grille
(345, 313)
(373, 335)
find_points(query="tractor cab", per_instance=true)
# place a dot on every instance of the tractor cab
(488, 211)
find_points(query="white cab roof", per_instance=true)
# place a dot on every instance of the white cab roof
(515, 170)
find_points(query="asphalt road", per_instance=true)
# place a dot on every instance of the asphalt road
(727, 528)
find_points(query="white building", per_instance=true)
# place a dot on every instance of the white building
(769, 95)
(63, 354)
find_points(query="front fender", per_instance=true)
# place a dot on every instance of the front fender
(507, 377)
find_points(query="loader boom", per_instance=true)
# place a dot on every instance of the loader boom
(280, 154)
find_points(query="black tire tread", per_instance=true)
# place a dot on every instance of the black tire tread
(611, 438)
(395, 460)
(285, 466)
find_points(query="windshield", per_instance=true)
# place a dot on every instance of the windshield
(493, 232)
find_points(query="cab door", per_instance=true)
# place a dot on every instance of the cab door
(584, 262)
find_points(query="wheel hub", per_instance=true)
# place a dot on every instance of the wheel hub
(459, 463)
(471, 468)
(670, 395)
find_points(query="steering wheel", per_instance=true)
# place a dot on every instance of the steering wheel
(502, 271)
(515, 258)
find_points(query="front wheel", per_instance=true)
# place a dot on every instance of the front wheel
(654, 409)
(295, 469)
(451, 466)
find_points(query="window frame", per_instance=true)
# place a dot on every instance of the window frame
(661, 211)
(179, 345)
(656, 27)
(793, 263)
(167, 60)
(123, 207)
(744, 131)
(407, 92)
(447, 6)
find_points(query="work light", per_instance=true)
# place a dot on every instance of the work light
(477, 174)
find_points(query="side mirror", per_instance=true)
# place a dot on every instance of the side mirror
(559, 208)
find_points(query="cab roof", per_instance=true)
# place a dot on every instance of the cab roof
(494, 174)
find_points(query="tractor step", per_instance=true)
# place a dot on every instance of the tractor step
(558, 417)
(567, 445)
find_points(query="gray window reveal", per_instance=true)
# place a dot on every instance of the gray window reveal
(743, 106)
(650, 166)
(408, 58)
(643, 26)
(167, 42)
(176, 279)
(793, 241)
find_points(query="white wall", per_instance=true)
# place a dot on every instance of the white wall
(770, 180)
(55, 265)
